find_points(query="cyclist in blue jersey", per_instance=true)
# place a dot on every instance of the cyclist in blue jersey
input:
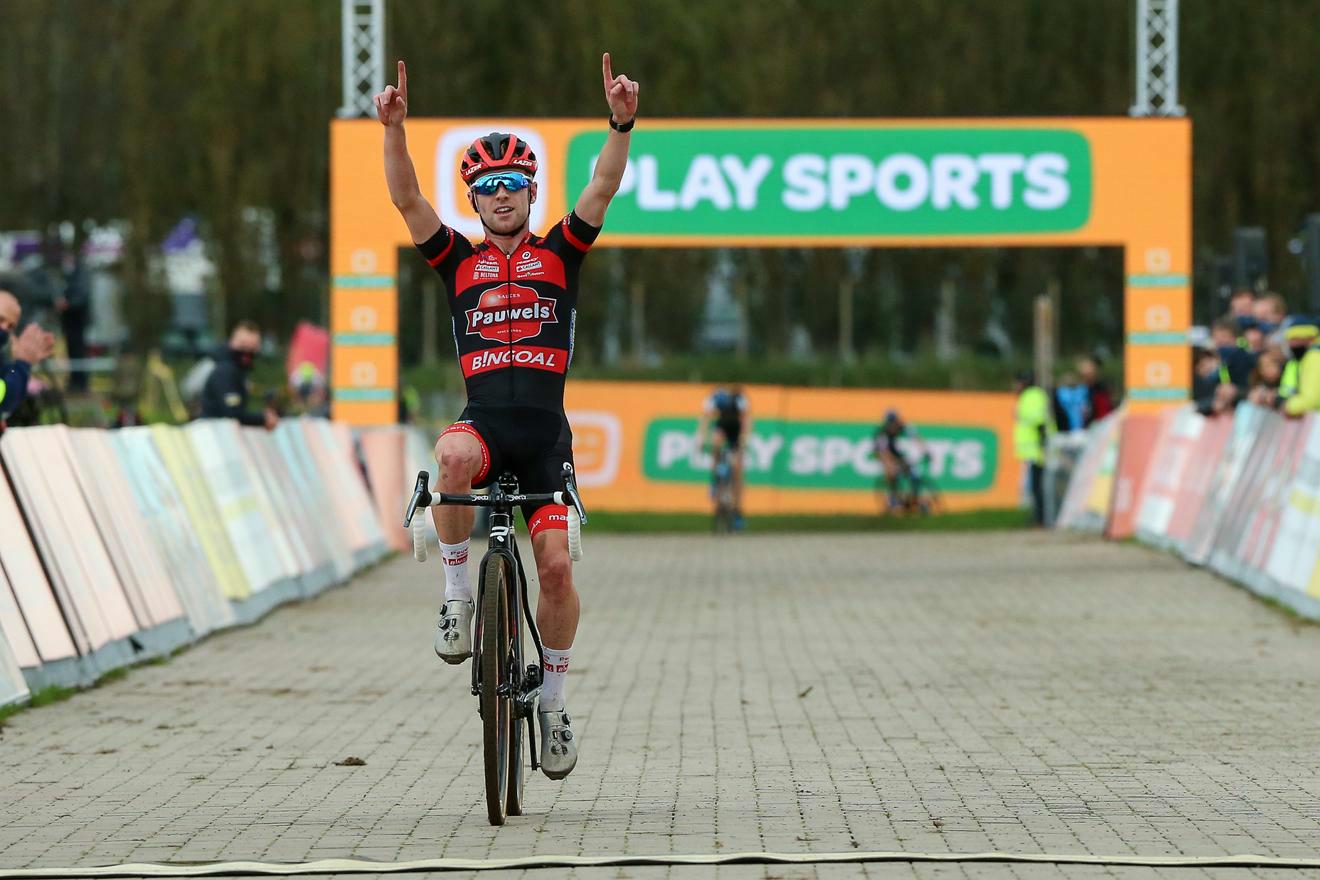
(512, 298)
(726, 409)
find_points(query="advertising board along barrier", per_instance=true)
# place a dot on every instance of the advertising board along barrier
(1296, 552)
(1169, 466)
(255, 538)
(29, 615)
(167, 521)
(203, 517)
(1243, 437)
(13, 687)
(86, 586)
(160, 615)
(1250, 525)
(309, 541)
(1138, 438)
(311, 502)
(1074, 512)
(809, 450)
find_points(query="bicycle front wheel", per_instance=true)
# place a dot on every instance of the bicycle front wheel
(496, 702)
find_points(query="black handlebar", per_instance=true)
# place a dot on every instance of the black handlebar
(498, 498)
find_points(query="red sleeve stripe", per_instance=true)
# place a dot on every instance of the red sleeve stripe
(573, 239)
(436, 261)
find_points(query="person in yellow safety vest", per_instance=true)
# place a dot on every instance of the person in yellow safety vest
(1300, 386)
(1033, 426)
(1300, 334)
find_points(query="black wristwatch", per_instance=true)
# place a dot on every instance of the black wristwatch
(625, 128)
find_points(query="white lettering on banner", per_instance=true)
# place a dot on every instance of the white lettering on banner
(1001, 167)
(1047, 183)
(705, 182)
(914, 191)
(824, 455)
(674, 447)
(804, 176)
(850, 175)
(650, 197)
(899, 182)
(724, 181)
(761, 451)
(954, 180)
(747, 179)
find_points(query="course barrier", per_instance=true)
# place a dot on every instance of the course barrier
(119, 546)
(1237, 494)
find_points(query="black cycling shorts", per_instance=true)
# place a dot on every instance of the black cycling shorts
(531, 443)
(732, 434)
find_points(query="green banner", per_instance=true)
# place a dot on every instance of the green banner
(823, 455)
(845, 181)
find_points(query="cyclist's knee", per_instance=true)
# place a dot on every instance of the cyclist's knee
(459, 457)
(555, 571)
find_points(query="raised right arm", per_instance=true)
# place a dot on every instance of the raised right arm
(400, 176)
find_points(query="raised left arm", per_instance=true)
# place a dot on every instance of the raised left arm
(621, 95)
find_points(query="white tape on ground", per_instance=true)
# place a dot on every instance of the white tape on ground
(358, 866)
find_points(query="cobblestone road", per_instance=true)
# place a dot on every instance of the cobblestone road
(959, 693)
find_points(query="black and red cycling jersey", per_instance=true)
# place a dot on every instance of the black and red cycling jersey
(514, 316)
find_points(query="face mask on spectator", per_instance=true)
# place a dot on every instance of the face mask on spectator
(1299, 350)
(244, 358)
(4, 338)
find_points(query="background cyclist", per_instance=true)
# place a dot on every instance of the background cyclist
(512, 299)
(893, 458)
(727, 411)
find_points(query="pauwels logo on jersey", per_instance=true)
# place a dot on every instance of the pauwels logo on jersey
(510, 313)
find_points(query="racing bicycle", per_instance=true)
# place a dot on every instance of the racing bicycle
(506, 690)
(722, 492)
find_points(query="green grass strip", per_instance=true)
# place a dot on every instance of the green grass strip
(605, 522)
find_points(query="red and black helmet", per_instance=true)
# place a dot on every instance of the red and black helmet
(497, 151)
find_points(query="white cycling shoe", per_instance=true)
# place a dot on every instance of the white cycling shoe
(559, 750)
(453, 636)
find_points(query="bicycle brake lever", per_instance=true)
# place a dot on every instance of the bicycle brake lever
(570, 487)
(421, 497)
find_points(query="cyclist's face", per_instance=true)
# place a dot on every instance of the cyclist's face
(503, 212)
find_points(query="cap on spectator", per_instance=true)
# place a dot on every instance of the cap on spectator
(1300, 327)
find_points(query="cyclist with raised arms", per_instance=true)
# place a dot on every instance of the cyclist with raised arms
(513, 301)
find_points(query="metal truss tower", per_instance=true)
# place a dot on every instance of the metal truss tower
(1157, 59)
(364, 55)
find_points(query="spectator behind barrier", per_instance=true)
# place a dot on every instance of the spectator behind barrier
(1071, 403)
(225, 394)
(1266, 377)
(1270, 312)
(1251, 337)
(1235, 364)
(1205, 378)
(1099, 399)
(1242, 304)
(31, 346)
(1301, 376)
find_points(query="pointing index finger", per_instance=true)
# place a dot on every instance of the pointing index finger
(403, 79)
(607, 70)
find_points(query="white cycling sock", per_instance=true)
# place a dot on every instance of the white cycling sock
(556, 670)
(455, 558)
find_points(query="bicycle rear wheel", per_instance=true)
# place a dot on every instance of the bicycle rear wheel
(496, 703)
